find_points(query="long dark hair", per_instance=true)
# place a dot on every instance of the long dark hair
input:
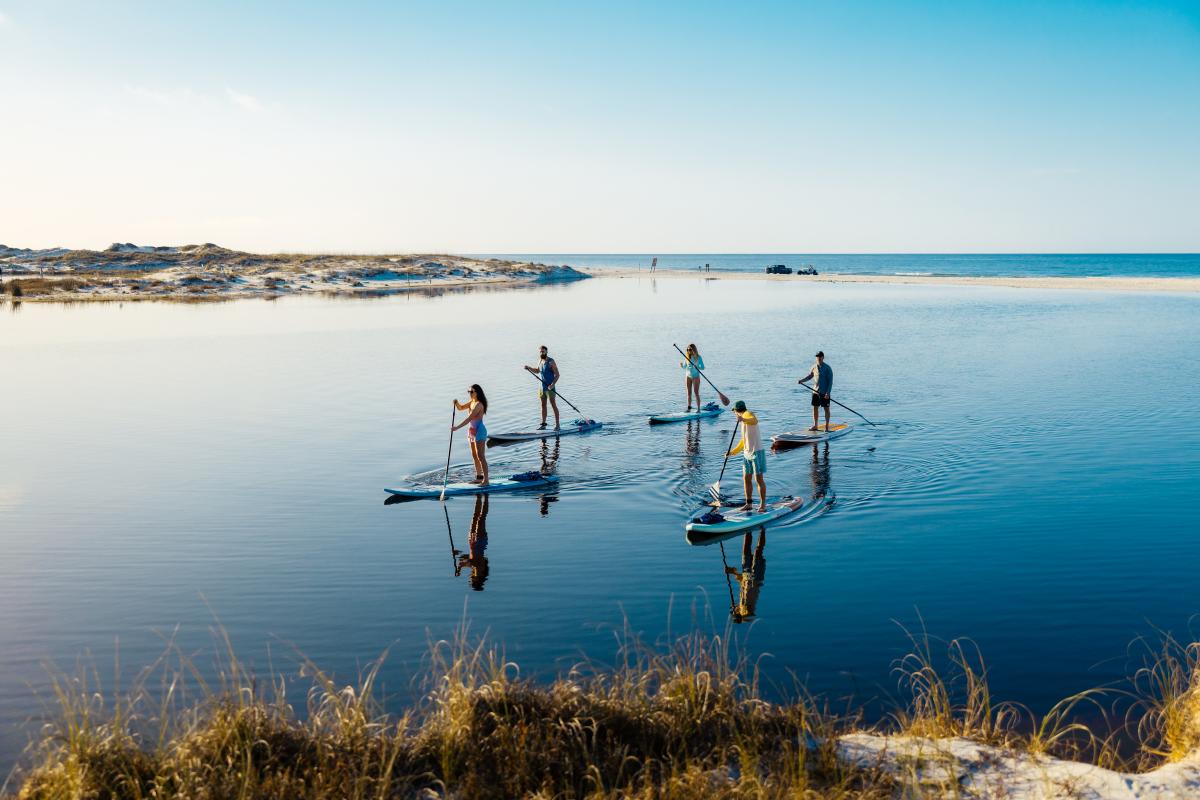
(480, 397)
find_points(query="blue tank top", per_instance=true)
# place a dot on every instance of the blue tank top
(546, 373)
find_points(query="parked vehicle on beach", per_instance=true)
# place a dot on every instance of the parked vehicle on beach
(779, 269)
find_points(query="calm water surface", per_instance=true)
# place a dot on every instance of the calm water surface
(1031, 483)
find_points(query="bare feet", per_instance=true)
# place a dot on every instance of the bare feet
(746, 507)
(814, 428)
(762, 508)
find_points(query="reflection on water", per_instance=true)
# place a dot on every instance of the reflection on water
(477, 541)
(749, 580)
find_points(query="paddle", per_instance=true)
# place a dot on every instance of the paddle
(715, 489)
(723, 398)
(453, 549)
(449, 449)
(848, 408)
(558, 394)
(728, 582)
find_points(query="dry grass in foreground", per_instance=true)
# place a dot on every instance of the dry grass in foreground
(682, 721)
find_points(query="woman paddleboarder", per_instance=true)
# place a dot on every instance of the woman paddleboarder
(476, 430)
(691, 374)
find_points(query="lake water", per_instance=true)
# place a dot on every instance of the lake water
(1065, 265)
(1030, 484)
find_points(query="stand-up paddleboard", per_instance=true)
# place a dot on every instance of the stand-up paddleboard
(497, 485)
(709, 410)
(578, 426)
(715, 523)
(809, 437)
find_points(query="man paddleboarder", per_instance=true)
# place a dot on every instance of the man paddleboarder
(754, 457)
(547, 372)
(820, 393)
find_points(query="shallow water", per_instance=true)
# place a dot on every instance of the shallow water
(1056, 265)
(1029, 484)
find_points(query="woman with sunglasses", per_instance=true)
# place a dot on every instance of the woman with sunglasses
(476, 430)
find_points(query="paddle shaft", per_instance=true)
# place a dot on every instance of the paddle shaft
(717, 485)
(450, 533)
(558, 394)
(720, 394)
(848, 408)
(728, 582)
(449, 450)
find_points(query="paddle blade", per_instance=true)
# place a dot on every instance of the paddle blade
(715, 491)
(723, 398)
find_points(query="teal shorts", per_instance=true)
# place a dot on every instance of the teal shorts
(755, 464)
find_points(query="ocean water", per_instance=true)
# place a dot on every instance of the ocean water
(167, 468)
(1065, 265)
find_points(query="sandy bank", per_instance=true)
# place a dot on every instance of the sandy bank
(207, 272)
(1172, 285)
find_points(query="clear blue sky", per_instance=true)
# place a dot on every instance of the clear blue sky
(636, 127)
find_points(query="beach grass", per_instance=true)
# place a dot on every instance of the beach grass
(683, 719)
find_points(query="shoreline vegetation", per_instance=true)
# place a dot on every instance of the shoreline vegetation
(681, 719)
(195, 273)
(208, 272)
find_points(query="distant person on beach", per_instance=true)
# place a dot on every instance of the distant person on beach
(751, 578)
(547, 372)
(476, 430)
(691, 366)
(754, 457)
(820, 393)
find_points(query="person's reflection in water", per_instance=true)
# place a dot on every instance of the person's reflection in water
(750, 579)
(549, 453)
(692, 443)
(820, 471)
(476, 546)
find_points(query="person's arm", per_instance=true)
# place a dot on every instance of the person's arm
(557, 374)
(461, 406)
(531, 369)
(740, 447)
(699, 361)
(806, 378)
(476, 413)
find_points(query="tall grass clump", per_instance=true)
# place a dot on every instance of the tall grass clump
(686, 720)
(1168, 690)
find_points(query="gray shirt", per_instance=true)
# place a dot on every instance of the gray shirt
(824, 375)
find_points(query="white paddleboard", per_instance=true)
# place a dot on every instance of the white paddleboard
(684, 416)
(549, 433)
(808, 437)
(736, 521)
(496, 485)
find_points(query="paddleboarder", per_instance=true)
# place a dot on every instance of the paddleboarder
(547, 372)
(820, 393)
(754, 457)
(476, 430)
(691, 365)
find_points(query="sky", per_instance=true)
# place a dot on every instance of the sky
(602, 127)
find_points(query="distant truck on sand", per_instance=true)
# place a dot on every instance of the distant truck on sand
(784, 269)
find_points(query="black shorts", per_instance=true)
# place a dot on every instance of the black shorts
(820, 400)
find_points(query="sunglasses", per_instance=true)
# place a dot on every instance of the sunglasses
(470, 391)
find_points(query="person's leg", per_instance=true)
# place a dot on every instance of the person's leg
(816, 411)
(746, 540)
(746, 488)
(554, 405)
(475, 459)
(696, 391)
(687, 388)
(762, 492)
(481, 455)
(542, 397)
(827, 404)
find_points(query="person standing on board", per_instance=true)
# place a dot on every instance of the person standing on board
(476, 430)
(547, 372)
(820, 393)
(754, 457)
(691, 374)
